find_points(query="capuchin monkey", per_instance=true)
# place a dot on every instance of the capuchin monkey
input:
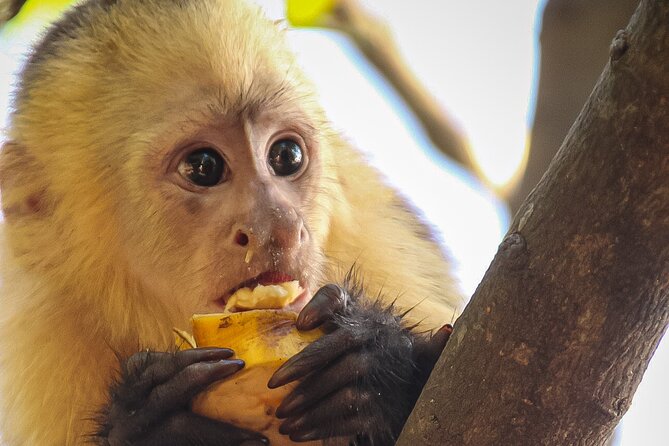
(160, 153)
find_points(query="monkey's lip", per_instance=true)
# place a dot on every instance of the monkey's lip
(266, 278)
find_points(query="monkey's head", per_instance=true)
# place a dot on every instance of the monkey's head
(169, 150)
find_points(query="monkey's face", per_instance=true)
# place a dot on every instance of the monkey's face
(224, 204)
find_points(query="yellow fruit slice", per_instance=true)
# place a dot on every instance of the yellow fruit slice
(264, 339)
(258, 337)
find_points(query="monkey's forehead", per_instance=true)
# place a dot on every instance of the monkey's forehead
(159, 46)
(156, 23)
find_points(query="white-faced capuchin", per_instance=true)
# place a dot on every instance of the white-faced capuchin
(159, 154)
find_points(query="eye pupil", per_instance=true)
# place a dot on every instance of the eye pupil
(204, 167)
(285, 157)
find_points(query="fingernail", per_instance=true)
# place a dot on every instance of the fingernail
(279, 377)
(237, 362)
(289, 404)
(275, 380)
(307, 436)
(292, 424)
(305, 320)
(214, 349)
(284, 428)
(213, 352)
(226, 364)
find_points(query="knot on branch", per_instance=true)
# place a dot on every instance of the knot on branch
(513, 246)
(513, 252)
(619, 45)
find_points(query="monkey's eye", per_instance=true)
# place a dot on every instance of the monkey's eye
(285, 157)
(204, 167)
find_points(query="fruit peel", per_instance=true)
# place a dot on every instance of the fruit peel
(257, 336)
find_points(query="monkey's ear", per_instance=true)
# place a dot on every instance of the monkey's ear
(9, 9)
(22, 188)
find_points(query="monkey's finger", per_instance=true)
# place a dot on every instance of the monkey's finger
(178, 391)
(314, 388)
(187, 428)
(328, 301)
(142, 361)
(184, 358)
(314, 357)
(428, 352)
(349, 402)
(349, 427)
(353, 426)
(146, 370)
(161, 366)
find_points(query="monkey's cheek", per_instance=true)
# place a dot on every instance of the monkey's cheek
(215, 306)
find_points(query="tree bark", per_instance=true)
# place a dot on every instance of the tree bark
(559, 332)
(575, 37)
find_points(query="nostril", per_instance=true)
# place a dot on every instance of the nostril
(241, 239)
(304, 235)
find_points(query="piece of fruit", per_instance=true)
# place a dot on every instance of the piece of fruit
(277, 296)
(264, 339)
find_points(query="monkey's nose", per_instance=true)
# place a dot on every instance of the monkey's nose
(290, 234)
(241, 238)
(285, 231)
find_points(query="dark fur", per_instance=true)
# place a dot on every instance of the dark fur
(397, 368)
(391, 371)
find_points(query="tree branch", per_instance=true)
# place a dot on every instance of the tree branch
(557, 336)
(376, 42)
(575, 36)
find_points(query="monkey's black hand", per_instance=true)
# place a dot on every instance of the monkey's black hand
(149, 406)
(361, 379)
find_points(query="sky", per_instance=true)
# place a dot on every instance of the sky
(479, 59)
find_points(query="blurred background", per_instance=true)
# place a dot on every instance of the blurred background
(502, 81)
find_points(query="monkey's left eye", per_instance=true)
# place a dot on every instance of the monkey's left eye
(204, 167)
(285, 157)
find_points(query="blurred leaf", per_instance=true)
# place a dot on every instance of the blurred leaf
(22, 11)
(308, 12)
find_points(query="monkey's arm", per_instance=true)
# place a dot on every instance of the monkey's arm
(149, 404)
(362, 378)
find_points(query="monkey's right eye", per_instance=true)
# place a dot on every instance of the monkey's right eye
(204, 167)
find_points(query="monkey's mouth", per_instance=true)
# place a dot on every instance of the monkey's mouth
(267, 278)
